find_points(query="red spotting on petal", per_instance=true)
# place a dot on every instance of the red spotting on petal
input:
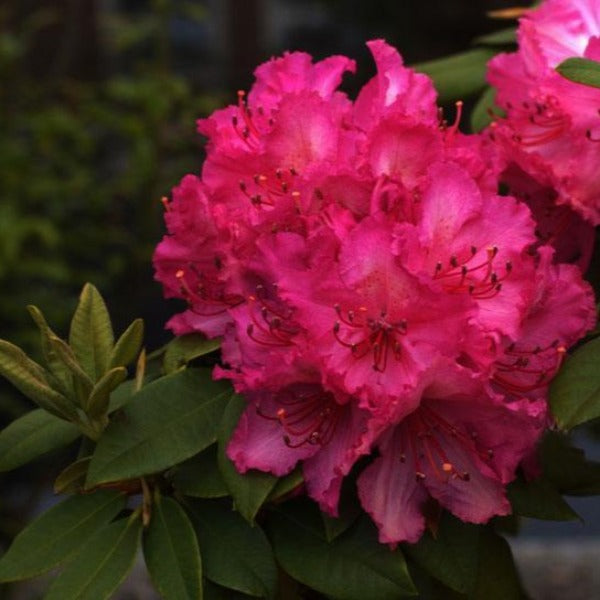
(402, 150)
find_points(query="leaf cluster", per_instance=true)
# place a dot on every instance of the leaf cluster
(152, 474)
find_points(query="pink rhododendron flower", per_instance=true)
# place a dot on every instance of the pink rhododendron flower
(552, 127)
(373, 292)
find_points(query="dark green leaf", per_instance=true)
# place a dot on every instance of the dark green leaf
(101, 565)
(355, 566)
(172, 554)
(97, 404)
(451, 557)
(234, 554)
(128, 345)
(72, 478)
(91, 336)
(539, 499)
(286, 484)
(250, 490)
(83, 384)
(502, 37)
(58, 533)
(200, 477)
(32, 435)
(54, 363)
(567, 468)
(165, 423)
(185, 348)
(575, 391)
(459, 75)
(212, 591)
(30, 379)
(581, 70)
(497, 576)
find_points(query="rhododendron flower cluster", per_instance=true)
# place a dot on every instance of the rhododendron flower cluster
(375, 296)
(551, 132)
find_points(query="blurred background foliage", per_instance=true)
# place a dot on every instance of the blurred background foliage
(97, 109)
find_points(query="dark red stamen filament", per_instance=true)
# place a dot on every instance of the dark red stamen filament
(379, 336)
(306, 416)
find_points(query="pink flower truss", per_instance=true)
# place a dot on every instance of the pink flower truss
(552, 125)
(372, 290)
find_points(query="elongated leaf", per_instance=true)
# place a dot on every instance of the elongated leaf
(354, 566)
(581, 70)
(199, 477)
(459, 75)
(567, 467)
(286, 485)
(185, 348)
(502, 37)
(57, 534)
(128, 346)
(72, 478)
(165, 423)
(234, 554)
(172, 554)
(575, 391)
(539, 499)
(32, 435)
(250, 490)
(56, 366)
(30, 379)
(91, 336)
(97, 404)
(101, 565)
(497, 576)
(452, 556)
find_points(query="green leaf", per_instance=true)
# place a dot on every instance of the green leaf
(452, 556)
(459, 75)
(58, 533)
(128, 346)
(567, 468)
(497, 576)
(32, 435)
(97, 404)
(212, 591)
(101, 565)
(480, 117)
(502, 37)
(250, 490)
(286, 484)
(166, 422)
(185, 348)
(575, 391)
(55, 364)
(83, 384)
(234, 554)
(355, 566)
(91, 336)
(539, 499)
(72, 478)
(581, 70)
(199, 477)
(30, 379)
(171, 552)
